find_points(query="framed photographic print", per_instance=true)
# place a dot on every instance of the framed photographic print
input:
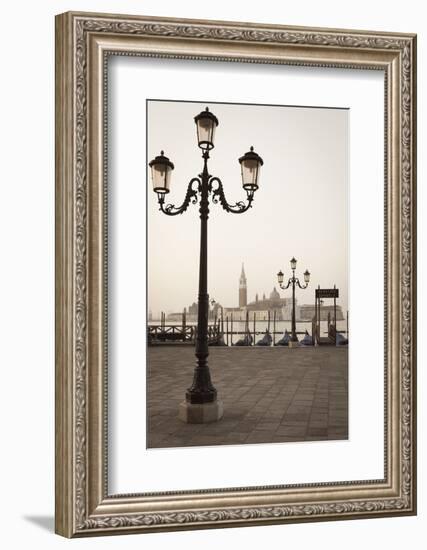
(235, 274)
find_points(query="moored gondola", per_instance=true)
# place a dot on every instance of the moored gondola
(266, 340)
(284, 341)
(341, 340)
(307, 340)
(246, 341)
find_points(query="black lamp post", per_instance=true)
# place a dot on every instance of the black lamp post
(293, 281)
(202, 392)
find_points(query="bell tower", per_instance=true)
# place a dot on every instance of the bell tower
(243, 291)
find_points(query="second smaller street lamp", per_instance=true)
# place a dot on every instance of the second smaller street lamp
(294, 281)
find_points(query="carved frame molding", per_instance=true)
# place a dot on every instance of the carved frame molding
(83, 42)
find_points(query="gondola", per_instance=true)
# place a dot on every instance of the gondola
(307, 340)
(284, 341)
(266, 340)
(246, 341)
(341, 340)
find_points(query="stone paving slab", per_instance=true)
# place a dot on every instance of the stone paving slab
(269, 395)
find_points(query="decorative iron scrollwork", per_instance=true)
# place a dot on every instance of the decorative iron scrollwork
(218, 196)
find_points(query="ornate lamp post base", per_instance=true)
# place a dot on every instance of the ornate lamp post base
(200, 413)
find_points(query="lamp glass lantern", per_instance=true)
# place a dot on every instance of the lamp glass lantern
(250, 164)
(307, 276)
(293, 263)
(161, 170)
(206, 123)
(280, 277)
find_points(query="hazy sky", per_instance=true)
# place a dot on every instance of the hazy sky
(300, 208)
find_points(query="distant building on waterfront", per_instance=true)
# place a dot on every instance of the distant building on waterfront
(243, 289)
(215, 312)
(261, 307)
(192, 310)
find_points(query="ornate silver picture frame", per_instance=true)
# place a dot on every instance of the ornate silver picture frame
(84, 42)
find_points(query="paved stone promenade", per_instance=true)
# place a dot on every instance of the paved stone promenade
(269, 395)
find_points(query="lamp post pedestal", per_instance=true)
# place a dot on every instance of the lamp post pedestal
(200, 413)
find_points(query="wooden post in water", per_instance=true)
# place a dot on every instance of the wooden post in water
(335, 316)
(184, 323)
(254, 326)
(164, 325)
(231, 333)
(313, 329)
(274, 327)
(226, 324)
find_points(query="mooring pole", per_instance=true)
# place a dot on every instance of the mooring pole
(254, 327)
(274, 327)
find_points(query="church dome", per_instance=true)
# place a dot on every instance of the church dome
(274, 294)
